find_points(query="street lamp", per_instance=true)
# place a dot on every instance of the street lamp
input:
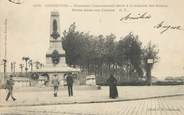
(150, 61)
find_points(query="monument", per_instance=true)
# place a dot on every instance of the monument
(55, 56)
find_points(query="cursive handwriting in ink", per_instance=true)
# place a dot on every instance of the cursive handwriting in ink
(165, 27)
(130, 17)
(15, 1)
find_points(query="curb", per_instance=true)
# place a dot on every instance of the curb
(91, 102)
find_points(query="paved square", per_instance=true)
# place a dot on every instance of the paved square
(133, 100)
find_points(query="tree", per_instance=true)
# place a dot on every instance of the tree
(109, 48)
(150, 52)
(26, 59)
(129, 53)
(71, 45)
(109, 52)
(30, 62)
(21, 67)
(13, 66)
(101, 54)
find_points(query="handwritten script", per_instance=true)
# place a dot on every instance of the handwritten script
(139, 16)
(165, 27)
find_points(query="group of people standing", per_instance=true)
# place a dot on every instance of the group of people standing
(111, 81)
(69, 80)
(55, 82)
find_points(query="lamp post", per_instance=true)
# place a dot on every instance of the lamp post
(150, 61)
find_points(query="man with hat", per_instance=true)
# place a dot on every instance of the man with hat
(69, 80)
(9, 86)
(55, 83)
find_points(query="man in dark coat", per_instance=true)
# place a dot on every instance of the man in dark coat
(9, 86)
(112, 82)
(69, 80)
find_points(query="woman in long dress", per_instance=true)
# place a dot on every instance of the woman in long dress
(112, 82)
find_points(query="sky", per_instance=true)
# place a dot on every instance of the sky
(28, 27)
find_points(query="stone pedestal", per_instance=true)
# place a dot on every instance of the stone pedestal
(55, 55)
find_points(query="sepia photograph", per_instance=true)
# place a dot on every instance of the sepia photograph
(91, 57)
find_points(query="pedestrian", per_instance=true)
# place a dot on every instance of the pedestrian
(112, 82)
(69, 80)
(9, 86)
(47, 79)
(55, 83)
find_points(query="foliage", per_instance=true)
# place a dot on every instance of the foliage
(102, 55)
(129, 53)
(150, 52)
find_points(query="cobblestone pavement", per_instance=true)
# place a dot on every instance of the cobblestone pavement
(159, 106)
(35, 97)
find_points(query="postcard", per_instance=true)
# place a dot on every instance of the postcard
(91, 57)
